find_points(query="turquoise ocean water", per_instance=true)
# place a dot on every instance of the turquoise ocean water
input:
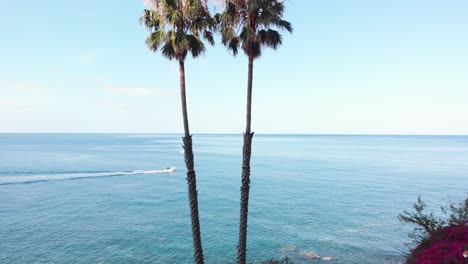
(93, 198)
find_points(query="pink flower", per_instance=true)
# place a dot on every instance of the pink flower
(446, 245)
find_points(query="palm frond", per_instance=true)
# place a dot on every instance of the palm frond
(283, 24)
(208, 35)
(233, 45)
(227, 34)
(180, 42)
(229, 17)
(196, 46)
(150, 19)
(155, 40)
(271, 38)
(174, 17)
(169, 4)
(168, 50)
(252, 25)
(176, 26)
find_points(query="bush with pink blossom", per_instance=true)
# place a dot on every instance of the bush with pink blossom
(438, 240)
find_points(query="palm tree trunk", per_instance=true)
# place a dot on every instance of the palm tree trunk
(191, 177)
(245, 188)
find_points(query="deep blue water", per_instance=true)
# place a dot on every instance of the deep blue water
(76, 198)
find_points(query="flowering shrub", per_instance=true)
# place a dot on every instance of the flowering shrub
(444, 246)
(438, 240)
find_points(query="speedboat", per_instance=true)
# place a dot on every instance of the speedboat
(169, 169)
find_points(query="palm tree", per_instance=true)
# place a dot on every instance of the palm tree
(250, 25)
(175, 28)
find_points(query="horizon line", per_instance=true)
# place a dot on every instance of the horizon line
(230, 133)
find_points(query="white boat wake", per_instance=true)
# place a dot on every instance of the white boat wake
(76, 175)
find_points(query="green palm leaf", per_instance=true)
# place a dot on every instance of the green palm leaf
(271, 38)
(196, 45)
(155, 40)
(252, 25)
(178, 22)
(168, 50)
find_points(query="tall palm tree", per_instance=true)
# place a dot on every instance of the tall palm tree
(176, 28)
(250, 25)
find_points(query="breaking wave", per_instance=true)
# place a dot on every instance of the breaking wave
(74, 175)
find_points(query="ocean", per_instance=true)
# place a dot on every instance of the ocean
(101, 198)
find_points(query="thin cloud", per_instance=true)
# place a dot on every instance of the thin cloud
(16, 107)
(86, 57)
(141, 91)
(20, 85)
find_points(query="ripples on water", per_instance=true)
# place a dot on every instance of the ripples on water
(334, 196)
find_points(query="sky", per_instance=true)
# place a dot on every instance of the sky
(350, 67)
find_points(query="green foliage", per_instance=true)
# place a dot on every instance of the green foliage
(426, 223)
(176, 27)
(436, 237)
(457, 213)
(251, 25)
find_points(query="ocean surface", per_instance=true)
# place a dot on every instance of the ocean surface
(101, 198)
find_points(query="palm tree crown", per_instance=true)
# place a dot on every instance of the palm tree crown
(251, 24)
(176, 27)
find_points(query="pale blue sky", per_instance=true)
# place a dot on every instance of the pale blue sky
(351, 66)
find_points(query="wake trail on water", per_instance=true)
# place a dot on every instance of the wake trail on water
(74, 175)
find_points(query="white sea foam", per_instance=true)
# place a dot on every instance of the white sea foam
(75, 175)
